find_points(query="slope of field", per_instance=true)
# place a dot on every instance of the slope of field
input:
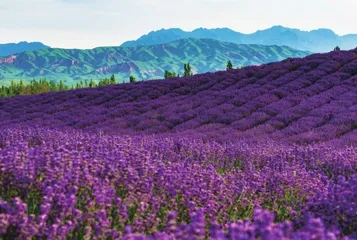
(146, 62)
(307, 99)
(68, 171)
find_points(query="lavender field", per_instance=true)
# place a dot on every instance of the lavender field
(264, 152)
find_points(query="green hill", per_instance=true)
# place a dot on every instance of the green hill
(143, 62)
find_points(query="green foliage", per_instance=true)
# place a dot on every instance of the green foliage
(104, 82)
(188, 71)
(43, 86)
(61, 86)
(337, 48)
(229, 65)
(132, 79)
(92, 84)
(112, 79)
(34, 87)
(169, 74)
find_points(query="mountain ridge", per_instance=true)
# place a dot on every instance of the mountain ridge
(145, 62)
(7, 49)
(318, 40)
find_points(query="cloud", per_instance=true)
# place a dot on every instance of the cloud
(78, 1)
(90, 23)
(106, 13)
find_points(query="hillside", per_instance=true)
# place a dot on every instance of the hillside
(304, 100)
(320, 40)
(264, 152)
(145, 62)
(7, 49)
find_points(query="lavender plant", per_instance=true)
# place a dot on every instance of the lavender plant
(264, 152)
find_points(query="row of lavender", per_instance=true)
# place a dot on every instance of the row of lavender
(74, 185)
(303, 100)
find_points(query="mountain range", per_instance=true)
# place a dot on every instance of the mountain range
(143, 62)
(13, 48)
(320, 40)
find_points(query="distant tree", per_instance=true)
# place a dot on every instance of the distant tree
(187, 70)
(92, 84)
(43, 85)
(169, 74)
(112, 79)
(337, 48)
(132, 79)
(107, 81)
(3, 91)
(229, 65)
(103, 82)
(21, 85)
(61, 86)
(166, 75)
(52, 86)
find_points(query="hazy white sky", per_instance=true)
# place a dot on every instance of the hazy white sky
(91, 23)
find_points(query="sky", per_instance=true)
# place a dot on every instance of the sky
(90, 23)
